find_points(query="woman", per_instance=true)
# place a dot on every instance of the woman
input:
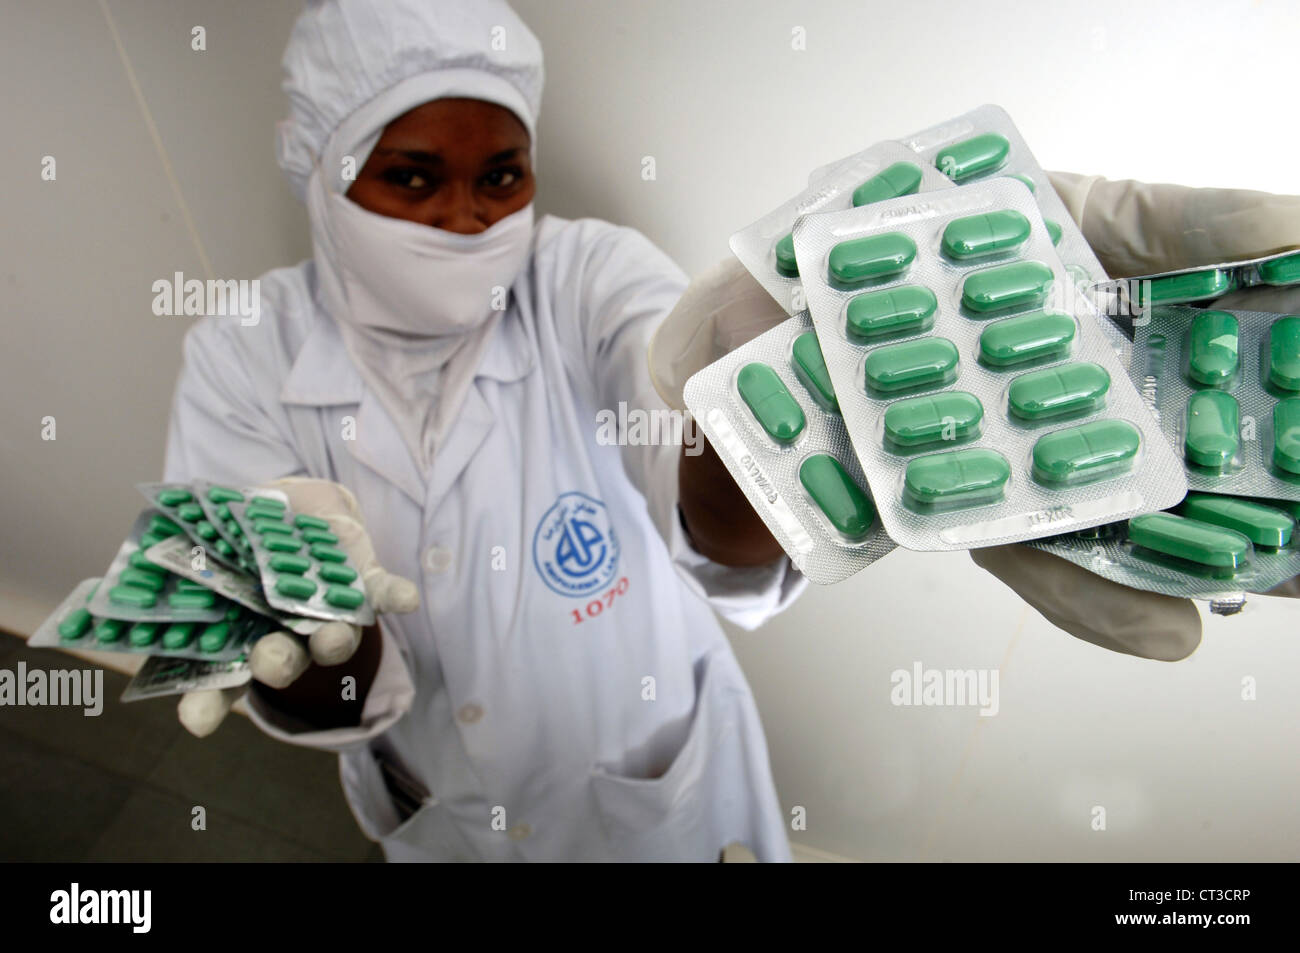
(563, 691)
(549, 682)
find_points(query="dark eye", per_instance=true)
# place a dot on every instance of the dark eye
(407, 177)
(503, 178)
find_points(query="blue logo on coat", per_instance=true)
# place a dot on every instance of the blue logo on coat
(575, 548)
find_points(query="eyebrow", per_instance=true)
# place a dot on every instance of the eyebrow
(433, 158)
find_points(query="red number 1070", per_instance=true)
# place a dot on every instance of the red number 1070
(596, 606)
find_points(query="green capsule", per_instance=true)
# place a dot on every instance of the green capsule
(786, 263)
(318, 536)
(295, 587)
(1286, 435)
(224, 494)
(284, 562)
(971, 157)
(281, 544)
(1037, 335)
(344, 597)
(192, 600)
(223, 512)
(1190, 286)
(1193, 540)
(303, 521)
(144, 579)
(768, 400)
(1090, 451)
(971, 477)
(925, 362)
(215, 637)
(272, 526)
(1054, 231)
(1280, 271)
(1284, 353)
(224, 549)
(909, 308)
(333, 572)
(871, 257)
(189, 585)
(978, 236)
(160, 525)
(133, 596)
(841, 500)
(1212, 437)
(137, 560)
(901, 178)
(178, 635)
(205, 531)
(1054, 391)
(75, 624)
(810, 368)
(270, 502)
(110, 630)
(947, 416)
(327, 554)
(174, 496)
(1019, 284)
(150, 539)
(1262, 525)
(190, 512)
(258, 511)
(1212, 344)
(233, 528)
(143, 634)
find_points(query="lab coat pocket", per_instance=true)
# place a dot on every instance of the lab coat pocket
(668, 817)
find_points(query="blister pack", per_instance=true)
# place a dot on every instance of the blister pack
(770, 411)
(75, 625)
(1209, 547)
(178, 502)
(1225, 386)
(160, 676)
(174, 555)
(215, 500)
(136, 590)
(1206, 282)
(303, 570)
(886, 170)
(948, 321)
(985, 143)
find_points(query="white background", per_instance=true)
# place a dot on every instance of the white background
(165, 163)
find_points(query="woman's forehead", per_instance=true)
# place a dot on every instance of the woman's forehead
(446, 122)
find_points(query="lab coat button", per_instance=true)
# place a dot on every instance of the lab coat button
(470, 713)
(437, 559)
(519, 832)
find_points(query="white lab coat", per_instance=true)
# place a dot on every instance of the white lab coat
(561, 695)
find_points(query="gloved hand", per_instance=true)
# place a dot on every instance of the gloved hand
(722, 309)
(279, 658)
(1140, 229)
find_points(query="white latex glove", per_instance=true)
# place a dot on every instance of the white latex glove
(1140, 229)
(720, 310)
(279, 658)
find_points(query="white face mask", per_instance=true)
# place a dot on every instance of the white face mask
(414, 279)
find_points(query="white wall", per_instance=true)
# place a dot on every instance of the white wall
(735, 120)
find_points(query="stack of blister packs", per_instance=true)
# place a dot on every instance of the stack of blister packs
(205, 571)
(958, 371)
